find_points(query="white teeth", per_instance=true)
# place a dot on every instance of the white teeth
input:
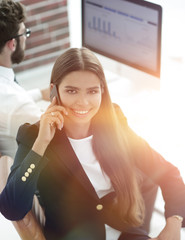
(81, 112)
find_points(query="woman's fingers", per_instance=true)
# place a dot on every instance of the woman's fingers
(53, 107)
(54, 115)
(56, 119)
(53, 102)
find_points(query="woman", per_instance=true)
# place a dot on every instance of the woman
(86, 163)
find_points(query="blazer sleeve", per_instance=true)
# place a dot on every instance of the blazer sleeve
(17, 197)
(160, 171)
(163, 173)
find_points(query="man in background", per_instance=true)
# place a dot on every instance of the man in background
(17, 106)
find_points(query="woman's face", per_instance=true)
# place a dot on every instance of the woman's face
(80, 93)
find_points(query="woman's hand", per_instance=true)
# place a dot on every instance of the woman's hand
(51, 120)
(171, 231)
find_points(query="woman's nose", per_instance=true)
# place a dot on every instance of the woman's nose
(82, 100)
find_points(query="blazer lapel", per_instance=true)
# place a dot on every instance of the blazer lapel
(61, 147)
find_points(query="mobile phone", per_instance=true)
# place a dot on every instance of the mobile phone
(54, 93)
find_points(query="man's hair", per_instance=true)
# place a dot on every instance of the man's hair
(11, 15)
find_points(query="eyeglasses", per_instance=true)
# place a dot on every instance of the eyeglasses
(26, 33)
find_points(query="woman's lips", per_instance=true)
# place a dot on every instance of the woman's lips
(81, 113)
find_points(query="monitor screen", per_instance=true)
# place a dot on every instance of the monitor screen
(128, 31)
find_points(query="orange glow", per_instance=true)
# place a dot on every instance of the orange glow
(159, 116)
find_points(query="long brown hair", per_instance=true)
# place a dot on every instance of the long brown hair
(110, 144)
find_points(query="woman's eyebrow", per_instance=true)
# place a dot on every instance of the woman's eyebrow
(72, 87)
(76, 88)
(93, 88)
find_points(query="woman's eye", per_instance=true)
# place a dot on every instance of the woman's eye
(71, 91)
(93, 91)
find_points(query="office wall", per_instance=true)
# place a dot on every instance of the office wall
(48, 21)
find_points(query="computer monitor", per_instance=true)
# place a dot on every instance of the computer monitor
(128, 31)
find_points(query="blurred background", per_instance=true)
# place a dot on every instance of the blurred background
(156, 114)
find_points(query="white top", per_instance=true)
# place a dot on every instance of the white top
(99, 180)
(17, 106)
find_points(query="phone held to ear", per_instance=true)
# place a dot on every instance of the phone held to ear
(54, 93)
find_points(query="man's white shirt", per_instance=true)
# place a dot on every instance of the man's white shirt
(17, 106)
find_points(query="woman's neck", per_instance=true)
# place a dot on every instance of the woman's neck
(77, 131)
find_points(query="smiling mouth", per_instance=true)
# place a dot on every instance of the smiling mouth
(81, 113)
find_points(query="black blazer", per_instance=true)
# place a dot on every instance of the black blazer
(72, 208)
